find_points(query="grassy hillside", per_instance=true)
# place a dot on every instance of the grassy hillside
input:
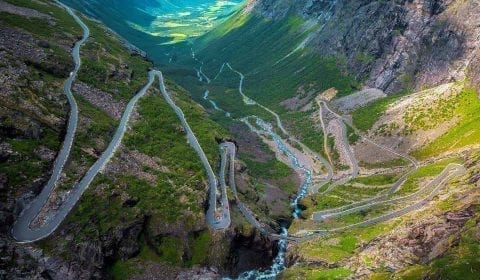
(387, 250)
(466, 131)
(147, 207)
(276, 67)
(264, 50)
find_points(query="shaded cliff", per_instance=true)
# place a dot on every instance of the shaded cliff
(391, 45)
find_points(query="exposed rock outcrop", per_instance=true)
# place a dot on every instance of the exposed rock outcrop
(393, 45)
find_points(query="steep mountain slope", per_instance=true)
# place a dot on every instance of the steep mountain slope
(144, 214)
(149, 24)
(360, 116)
(291, 53)
(390, 45)
(423, 54)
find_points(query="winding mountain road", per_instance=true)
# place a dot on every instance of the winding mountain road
(394, 187)
(230, 149)
(344, 145)
(304, 235)
(218, 216)
(21, 230)
(214, 220)
(445, 173)
(248, 101)
(450, 172)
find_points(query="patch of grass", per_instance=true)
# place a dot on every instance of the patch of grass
(364, 118)
(344, 247)
(321, 202)
(28, 166)
(352, 136)
(169, 250)
(206, 130)
(380, 276)
(332, 273)
(100, 124)
(159, 132)
(300, 125)
(200, 248)
(386, 164)
(376, 180)
(464, 133)
(412, 184)
(41, 27)
(272, 169)
(428, 116)
(344, 194)
(103, 55)
(358, 192)
(312, 273)
(413, 273)
(122, 270)
(357, 217)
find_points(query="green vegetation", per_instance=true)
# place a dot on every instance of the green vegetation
(224, 91)
(30, 115)
(464, 133)
(317, 203)
(28, 164)
(344, 194)
(159, 131)
(174, 192)
(99, 123)
(337, 247)
(107, 65)
(292, 70)
(300, 125)
(380, 276)
(376, 180)
(312, 273)
(272, 169)
(425, 117)
(386, 164)
(364, 118)
(95, 127)
(168, 250)
(200, 248)
(414, 272)
(336, 250)
(358, 217)
(157, 134)
(122, 270)
(414, 181)
(463, 261)
(41, 27)
(177, 193)
(278, 39)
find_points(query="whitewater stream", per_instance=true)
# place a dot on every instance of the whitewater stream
(263, 127)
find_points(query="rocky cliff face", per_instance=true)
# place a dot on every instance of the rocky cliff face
(391, 45)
